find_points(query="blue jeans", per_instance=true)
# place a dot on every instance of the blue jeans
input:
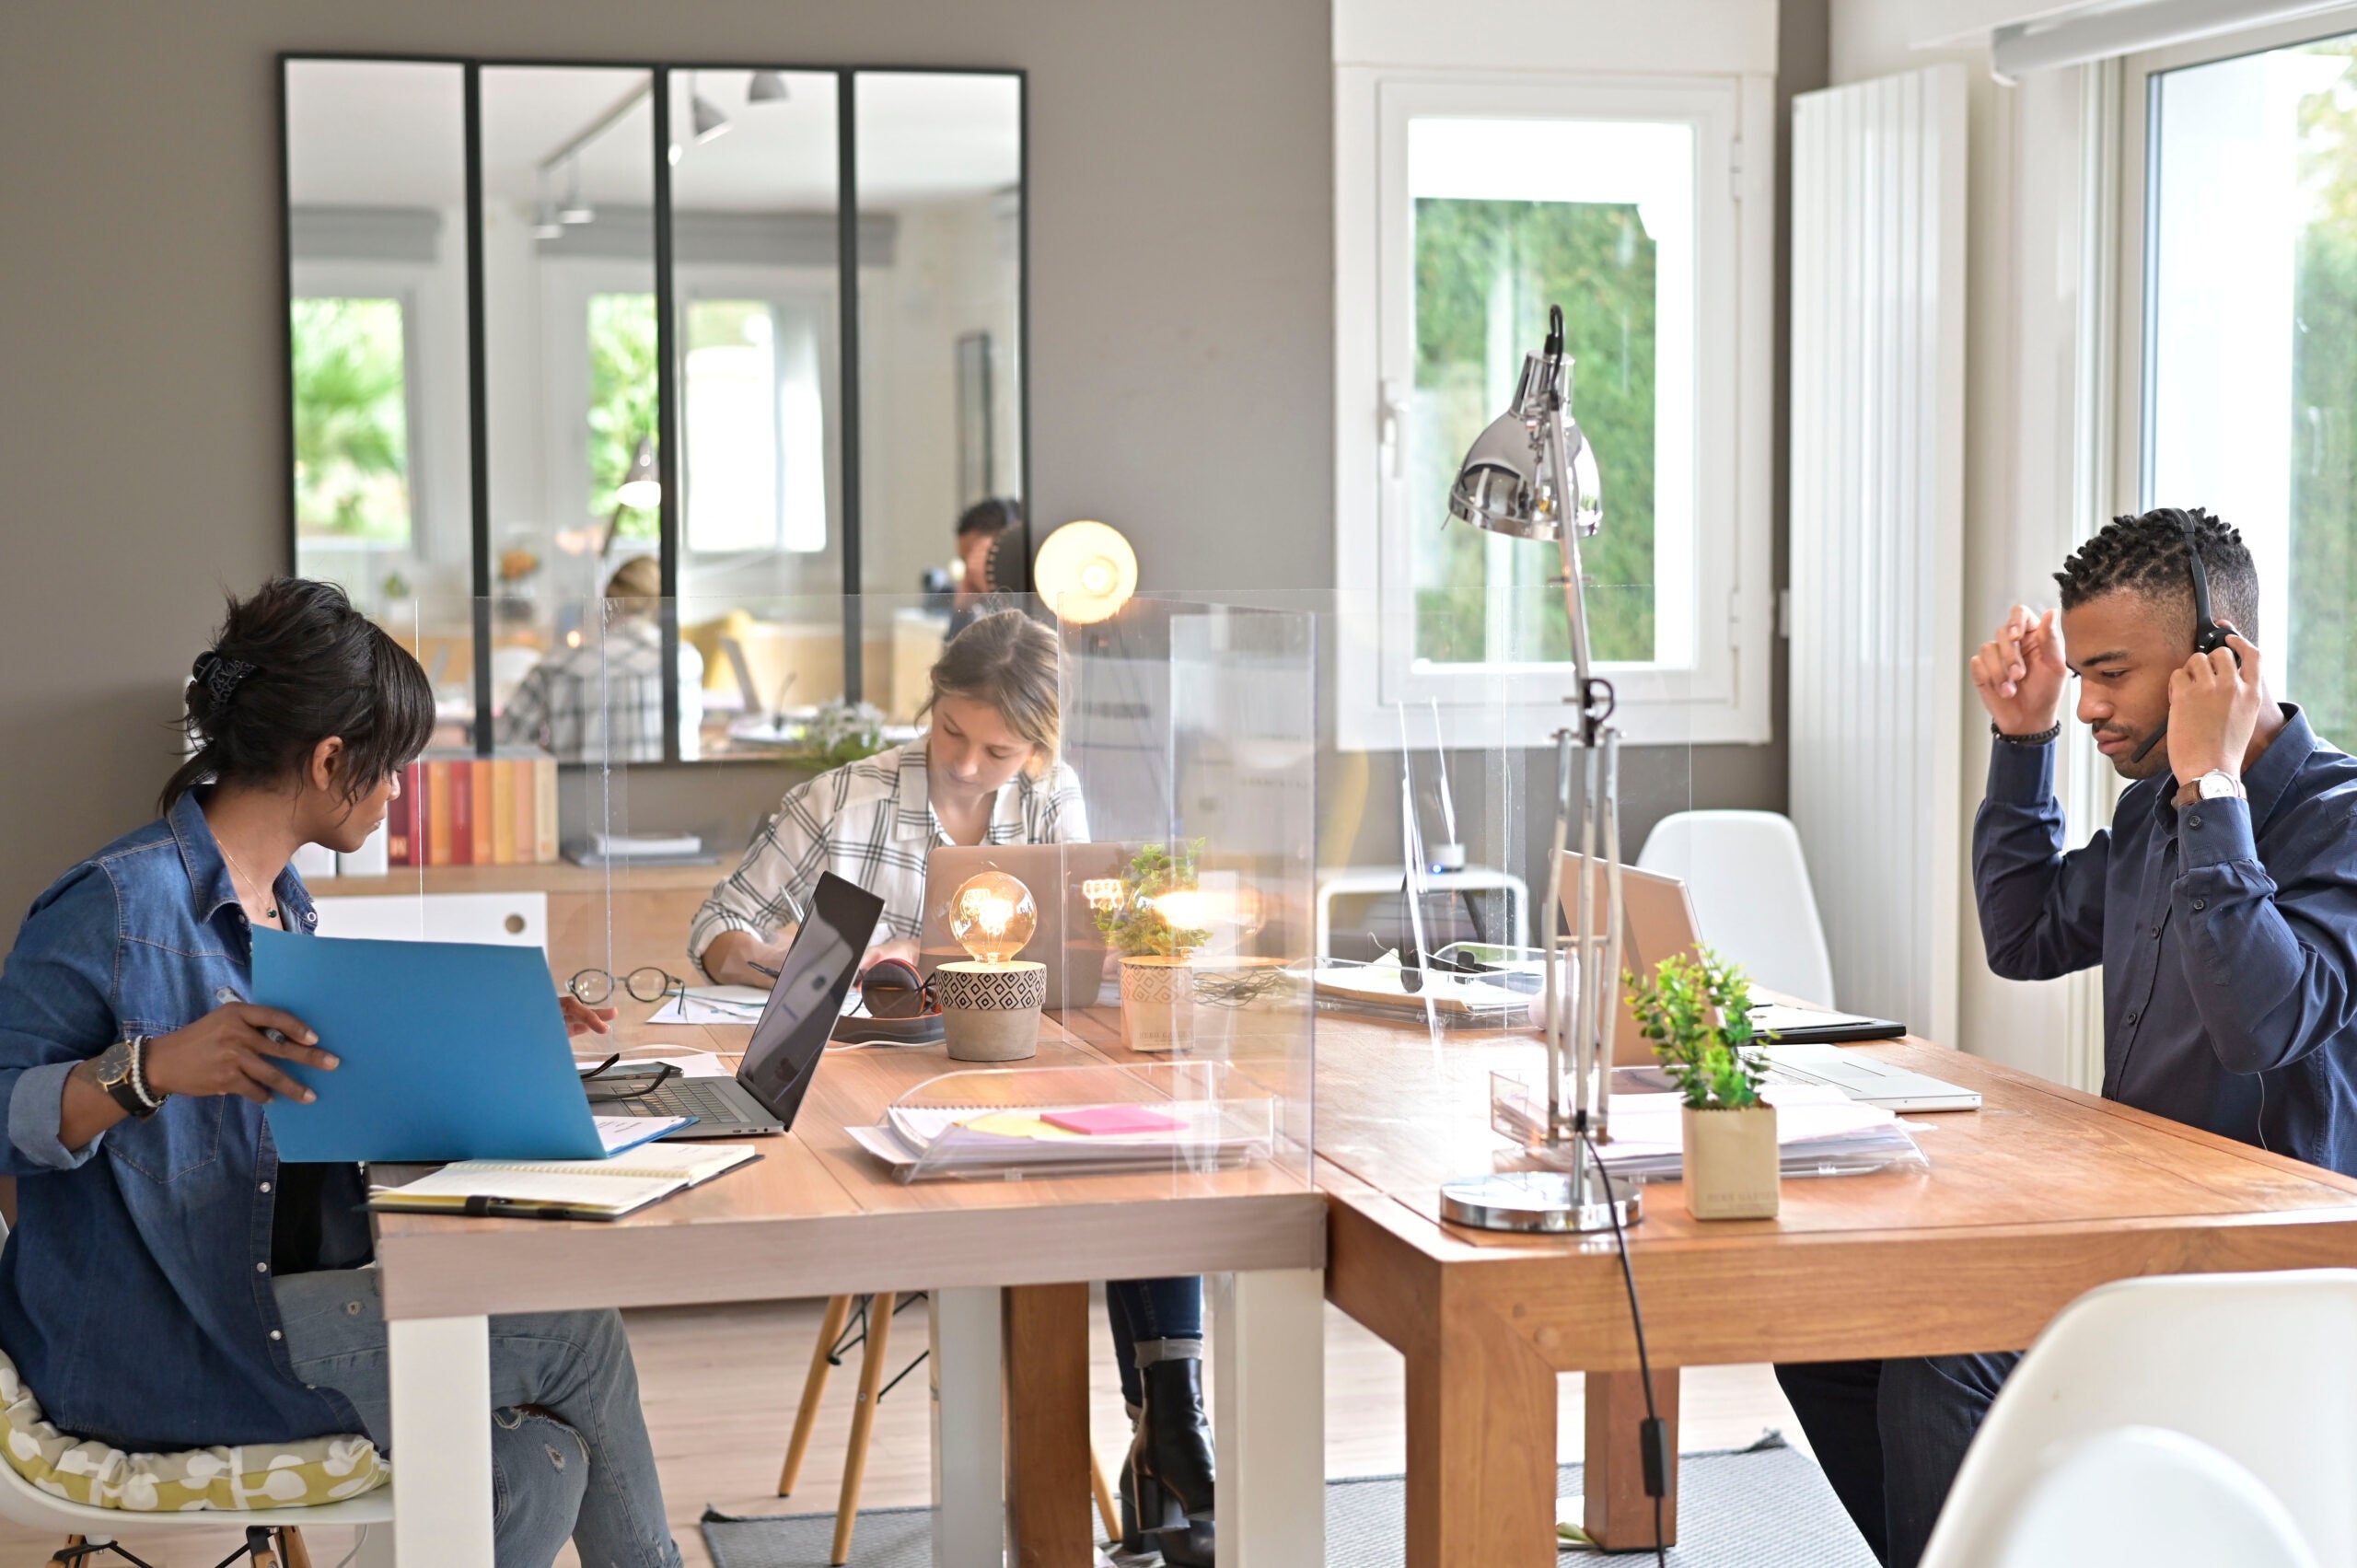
(569, 1453)
(1164, 1317)
(1890, 1435)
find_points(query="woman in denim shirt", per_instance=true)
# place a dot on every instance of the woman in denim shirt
(170, 1284)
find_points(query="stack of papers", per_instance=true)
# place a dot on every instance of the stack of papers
(977, 1140)
(1382, 987)
(1819, 1131)
(626, 846)
(563, 1190)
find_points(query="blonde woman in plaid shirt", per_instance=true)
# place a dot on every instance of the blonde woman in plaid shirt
(985, 772)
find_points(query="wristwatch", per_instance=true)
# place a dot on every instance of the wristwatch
(2218, 785)
(119, 1074)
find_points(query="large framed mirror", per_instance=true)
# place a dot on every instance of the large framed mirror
(744, 341)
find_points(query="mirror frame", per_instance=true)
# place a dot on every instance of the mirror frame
(667, 402)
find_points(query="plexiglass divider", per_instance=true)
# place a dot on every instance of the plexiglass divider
(1193, 728)
(1241, 911)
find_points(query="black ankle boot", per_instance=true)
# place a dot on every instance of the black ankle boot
(1154, 1520)
(1173, 1438)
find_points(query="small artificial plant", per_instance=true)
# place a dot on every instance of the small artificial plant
(1697, 1013)
(842, 731)
(1136, 926)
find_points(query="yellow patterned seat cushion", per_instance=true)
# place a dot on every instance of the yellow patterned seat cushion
(266, 1475)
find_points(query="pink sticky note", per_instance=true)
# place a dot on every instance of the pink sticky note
(1099, 1120)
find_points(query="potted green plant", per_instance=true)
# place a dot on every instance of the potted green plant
(1148, 922)
(1697, 1013)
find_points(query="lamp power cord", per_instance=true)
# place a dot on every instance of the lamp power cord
(1653, 1437)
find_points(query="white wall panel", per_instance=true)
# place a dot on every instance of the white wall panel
(1877, 524)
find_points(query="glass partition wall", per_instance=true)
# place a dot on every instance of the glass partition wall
(557, 331)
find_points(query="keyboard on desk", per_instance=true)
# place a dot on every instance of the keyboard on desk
(722, 1107)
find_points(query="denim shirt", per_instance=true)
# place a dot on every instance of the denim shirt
(2227, 932)
(135, 1290)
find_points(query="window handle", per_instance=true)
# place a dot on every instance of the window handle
(1393, 427)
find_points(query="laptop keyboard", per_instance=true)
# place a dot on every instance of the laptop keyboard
(699, 1097)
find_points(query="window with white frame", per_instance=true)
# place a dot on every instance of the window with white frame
(756, 444)
(1468, 205)
(2241, 391)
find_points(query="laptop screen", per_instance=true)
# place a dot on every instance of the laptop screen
(808, 995)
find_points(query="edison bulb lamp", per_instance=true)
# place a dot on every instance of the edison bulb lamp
(991, 916)
(1086, 571)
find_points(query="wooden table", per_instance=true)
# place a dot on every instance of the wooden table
(1009, 1263)
(2040, 1196)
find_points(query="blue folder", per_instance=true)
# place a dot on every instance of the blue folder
(448, 1050)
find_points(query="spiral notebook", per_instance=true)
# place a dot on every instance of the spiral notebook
(564, 1189)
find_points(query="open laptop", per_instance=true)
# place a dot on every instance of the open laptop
(1660, 922)
(782, 1055)
(1067, 941)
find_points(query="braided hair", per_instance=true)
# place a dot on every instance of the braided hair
(2145, 553)
(294, 664)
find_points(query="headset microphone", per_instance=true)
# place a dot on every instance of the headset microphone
(2207, 636)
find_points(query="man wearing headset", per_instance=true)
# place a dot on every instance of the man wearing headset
(2222, 904)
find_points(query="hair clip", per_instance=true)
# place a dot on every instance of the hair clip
(220, 676)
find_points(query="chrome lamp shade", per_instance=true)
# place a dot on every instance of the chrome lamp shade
(1507, 484)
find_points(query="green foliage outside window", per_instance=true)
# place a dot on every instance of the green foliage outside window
(2322, 670)
(1486, 273)
(622, 401)
(350, 420)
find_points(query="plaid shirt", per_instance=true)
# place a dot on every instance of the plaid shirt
(872, 822)
(559, 705)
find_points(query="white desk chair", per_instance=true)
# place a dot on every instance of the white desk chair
(2141, 1497)
(2260, 1367)
(1752, 898)
(274, 1535)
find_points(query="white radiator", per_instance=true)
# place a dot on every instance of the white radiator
(1877, 521)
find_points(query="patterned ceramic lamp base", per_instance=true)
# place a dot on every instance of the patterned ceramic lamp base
(991, 1012)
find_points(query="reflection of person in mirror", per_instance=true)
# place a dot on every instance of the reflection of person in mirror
(599, 696)
(985, 772)
(983, 529)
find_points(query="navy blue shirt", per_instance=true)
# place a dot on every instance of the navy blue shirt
(135, 1289)
(2227, 932)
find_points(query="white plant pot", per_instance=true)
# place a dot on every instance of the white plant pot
(1730, 1163)
(1157, 1004)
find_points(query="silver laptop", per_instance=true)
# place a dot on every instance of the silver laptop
(1067, 941)
(1660, 920)
(783, 1056)
(1863, 1077)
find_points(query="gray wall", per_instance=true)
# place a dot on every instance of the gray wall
(1181, 175)
(1182, 341)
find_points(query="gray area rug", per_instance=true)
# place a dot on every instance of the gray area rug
(1767, 1507)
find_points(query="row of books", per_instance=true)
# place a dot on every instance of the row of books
(474, 811)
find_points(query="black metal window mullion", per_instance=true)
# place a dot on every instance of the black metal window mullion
(287, 315)
(1022, 311)
(478, 414)
(847, 299)
(666, 412)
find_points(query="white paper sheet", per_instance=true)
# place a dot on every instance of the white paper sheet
(712, 1004)
(621, 1132)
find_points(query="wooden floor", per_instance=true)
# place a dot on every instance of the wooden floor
(720, 1385)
